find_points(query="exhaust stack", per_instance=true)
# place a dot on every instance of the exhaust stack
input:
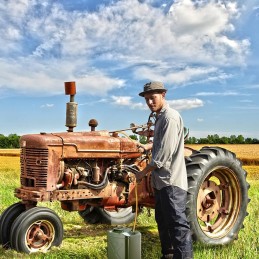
(71, 111)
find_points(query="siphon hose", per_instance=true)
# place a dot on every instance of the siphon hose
(136, 210)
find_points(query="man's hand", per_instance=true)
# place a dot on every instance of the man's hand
(144, 147)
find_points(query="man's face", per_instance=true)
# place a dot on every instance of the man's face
(155, 101)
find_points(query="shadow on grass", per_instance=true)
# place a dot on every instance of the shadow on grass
(75, 231)
(91, 234)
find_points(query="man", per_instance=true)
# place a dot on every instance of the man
(169, 177)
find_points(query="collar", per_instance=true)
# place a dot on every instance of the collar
(164, 108)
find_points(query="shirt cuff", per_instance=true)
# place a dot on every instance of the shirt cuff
(156, 164)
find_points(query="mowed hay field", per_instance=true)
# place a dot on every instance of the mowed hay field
(90, 241)
(248, 154)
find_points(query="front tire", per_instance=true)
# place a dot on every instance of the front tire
(36, 230)
(217, 195)
(8, 217)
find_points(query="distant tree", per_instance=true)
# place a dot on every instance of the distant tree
(4, 143)
(215, 139)
(240, 139)
(191, 140)
(210, 139)
(255, 141)
(248, 140)
(135, 137)
(203, 141)
(232, 139)
(143, 139)
(14, 141)
(224, 140)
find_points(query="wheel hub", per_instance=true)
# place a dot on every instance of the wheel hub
(39, 235)
(208, 201)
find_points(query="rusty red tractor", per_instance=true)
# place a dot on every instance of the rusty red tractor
(94, 172)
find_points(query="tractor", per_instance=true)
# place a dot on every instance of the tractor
(93, 173)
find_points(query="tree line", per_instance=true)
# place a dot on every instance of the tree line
(12, 140)
(216, 139)
(210, 139)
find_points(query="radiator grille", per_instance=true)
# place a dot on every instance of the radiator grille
(34, 167)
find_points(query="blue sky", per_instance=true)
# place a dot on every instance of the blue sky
(205, 52)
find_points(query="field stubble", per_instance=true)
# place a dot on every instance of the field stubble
(90, 241)
(248, 154)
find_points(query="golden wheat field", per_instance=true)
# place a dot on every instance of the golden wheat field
(244, 152)
(247, 153)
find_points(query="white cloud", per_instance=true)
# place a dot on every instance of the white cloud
(178, 75)
(127, 101)
(30, 77)
(200, 120)
(246, 101)
(186, 104)
(227, 93)
(191, 19)
(180, 104)
(122, 100)
(52, 45)
(47, 105)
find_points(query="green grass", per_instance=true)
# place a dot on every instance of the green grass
(90, 241)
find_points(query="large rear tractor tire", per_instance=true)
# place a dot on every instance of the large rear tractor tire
(36, 230)
(95, 215)
(217, 195)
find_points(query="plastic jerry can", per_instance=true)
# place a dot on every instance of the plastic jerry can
(123, 243)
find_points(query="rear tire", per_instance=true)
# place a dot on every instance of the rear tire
(217, 196)
(95, 215)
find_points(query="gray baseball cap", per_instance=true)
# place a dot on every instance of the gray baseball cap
(153, 87)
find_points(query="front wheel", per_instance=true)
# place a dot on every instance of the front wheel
(36, 230)
(217, 195)
(6, 221)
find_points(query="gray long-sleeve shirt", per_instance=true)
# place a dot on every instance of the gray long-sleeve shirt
(168, 150)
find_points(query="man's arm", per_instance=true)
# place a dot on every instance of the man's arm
(140, 175)
(145, 147)
(167, 143)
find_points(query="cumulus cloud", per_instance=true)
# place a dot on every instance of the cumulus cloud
(180, 104)
(178, 75)
(46, 44)
(228, 93)
(185, 104)
(48, 78)
(127, 101)
(47, 105)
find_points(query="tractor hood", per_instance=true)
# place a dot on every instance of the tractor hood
(93, 144)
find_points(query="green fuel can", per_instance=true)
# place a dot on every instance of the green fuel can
(123, 243)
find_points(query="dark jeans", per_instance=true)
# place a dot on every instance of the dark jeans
(173, 227)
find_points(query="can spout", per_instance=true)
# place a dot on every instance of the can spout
(71, 109)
